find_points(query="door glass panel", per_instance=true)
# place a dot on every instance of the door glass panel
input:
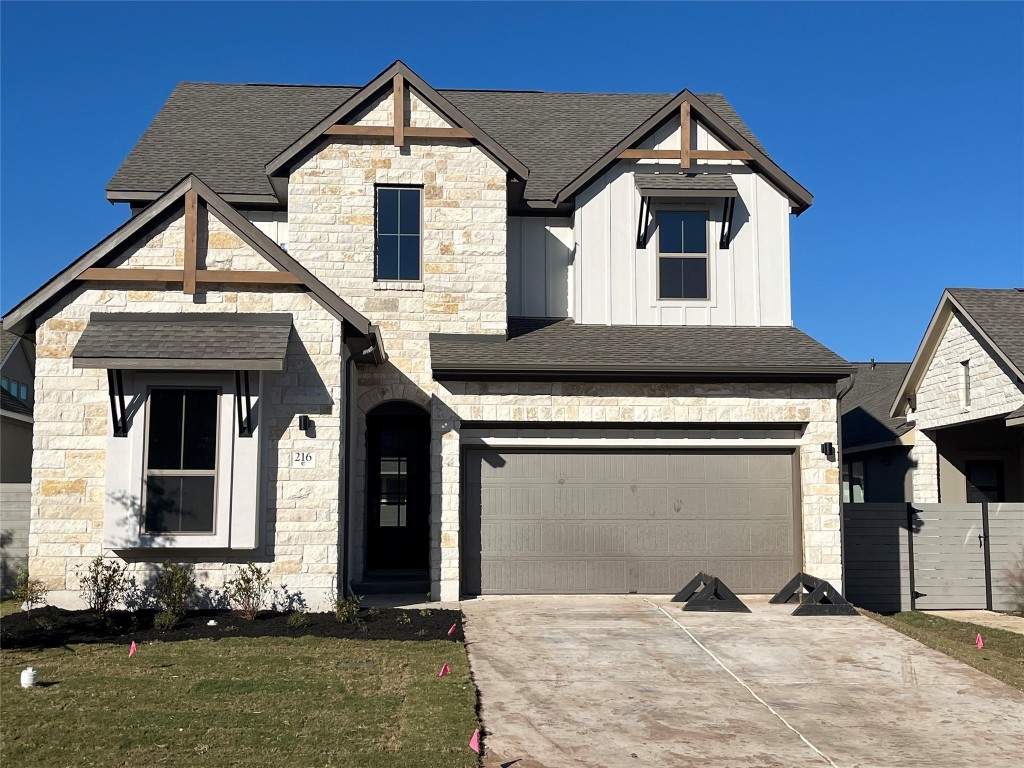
(394, 472)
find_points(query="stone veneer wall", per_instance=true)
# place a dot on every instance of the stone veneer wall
(331, 209)
(72, 417)
(814, 404)
(994, 391)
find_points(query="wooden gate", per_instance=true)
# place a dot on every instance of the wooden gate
(949, 556)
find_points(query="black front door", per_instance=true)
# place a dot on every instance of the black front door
(398, 478)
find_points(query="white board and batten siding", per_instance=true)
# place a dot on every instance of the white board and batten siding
(615, 283)
(274, 224)
(540, 266)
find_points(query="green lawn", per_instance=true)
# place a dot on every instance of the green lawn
(1003, 654)
(261, 702)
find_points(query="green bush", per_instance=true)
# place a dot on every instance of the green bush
(297, 619)
(29, 592)
(104, 584)
(403, 619)
(247, 591)
(175, 590)
(346, 609)
(166, 620)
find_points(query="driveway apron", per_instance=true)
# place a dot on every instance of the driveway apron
(634, 681)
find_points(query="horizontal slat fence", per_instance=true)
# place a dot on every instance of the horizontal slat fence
(15, 499)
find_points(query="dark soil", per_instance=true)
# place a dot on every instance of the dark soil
(49, 627)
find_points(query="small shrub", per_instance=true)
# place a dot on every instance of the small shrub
(421, 633)
(166, 620)
(403, 619)
(373, 611)
(29, 592)
(1014, 579)
(426, 612)
(104, 584)
(346, 609)
(297, 619)
(175, 589)
(247, 591)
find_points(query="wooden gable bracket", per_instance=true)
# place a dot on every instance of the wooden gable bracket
(190, 276)
(684, 153)
(399, 131)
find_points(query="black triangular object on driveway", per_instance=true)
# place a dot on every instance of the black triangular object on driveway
(693, 586)
(825, 601)
(716, 597)
(791, 593)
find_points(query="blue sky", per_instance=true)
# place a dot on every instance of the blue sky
(904, 120)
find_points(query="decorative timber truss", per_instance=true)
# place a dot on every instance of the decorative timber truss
(684, 153)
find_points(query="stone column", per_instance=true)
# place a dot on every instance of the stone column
(444, 503)
(925, 458)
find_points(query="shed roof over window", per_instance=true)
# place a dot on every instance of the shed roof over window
(685, 185)
(179, 342)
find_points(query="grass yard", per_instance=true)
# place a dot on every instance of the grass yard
(262, 702)
(1002, 657)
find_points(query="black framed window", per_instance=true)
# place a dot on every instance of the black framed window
(984, 481)
(181, 461)
(854, 485)
(682, 254)
(399, 225)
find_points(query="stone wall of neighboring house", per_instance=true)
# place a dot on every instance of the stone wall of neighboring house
(72, 420)
(940, 394)
(939, 401)
(814, 404)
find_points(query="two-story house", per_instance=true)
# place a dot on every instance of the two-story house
(485, 341)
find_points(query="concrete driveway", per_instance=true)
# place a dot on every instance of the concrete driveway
(634, 681)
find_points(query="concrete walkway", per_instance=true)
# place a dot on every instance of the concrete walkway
(985, 619)
(631, 681)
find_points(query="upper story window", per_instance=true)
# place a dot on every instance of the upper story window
(399, 228)
(965, 390)
(682, 254)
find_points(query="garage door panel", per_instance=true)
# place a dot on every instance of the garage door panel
(547, 522)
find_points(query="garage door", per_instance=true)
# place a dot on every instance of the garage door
(627, 521)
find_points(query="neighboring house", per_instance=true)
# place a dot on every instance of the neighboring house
(464, 341)
(17, 361)
(964, 392)
(877, 466)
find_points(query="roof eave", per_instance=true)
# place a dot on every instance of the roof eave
(799, 196)
(647, 373)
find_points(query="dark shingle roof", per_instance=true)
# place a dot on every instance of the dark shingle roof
(866, 418)
(260, 341)
(553, 346)
(661, 183)
(9, 402)
(1000, 313)
(227, 133)
(7, 340)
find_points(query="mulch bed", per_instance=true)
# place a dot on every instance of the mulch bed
(50, 627)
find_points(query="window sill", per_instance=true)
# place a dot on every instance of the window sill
(397, 285)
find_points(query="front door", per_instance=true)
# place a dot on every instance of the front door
(398, 477)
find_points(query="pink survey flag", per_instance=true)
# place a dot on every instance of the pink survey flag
(979, 642)
(132, 650)
(445, 670)
(452, 630)
(474, 743)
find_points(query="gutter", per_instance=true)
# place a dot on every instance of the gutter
(839, 460)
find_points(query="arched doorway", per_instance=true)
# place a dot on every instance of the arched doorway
(398, 489)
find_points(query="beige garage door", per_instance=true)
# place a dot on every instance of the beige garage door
(538, 522)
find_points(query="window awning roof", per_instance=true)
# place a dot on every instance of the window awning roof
(685, 185)
(184, 342)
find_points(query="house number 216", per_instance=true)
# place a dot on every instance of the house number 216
(303, 459)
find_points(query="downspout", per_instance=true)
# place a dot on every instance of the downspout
(346, 430)
(839, 459)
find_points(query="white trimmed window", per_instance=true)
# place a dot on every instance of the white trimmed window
(186, 473)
